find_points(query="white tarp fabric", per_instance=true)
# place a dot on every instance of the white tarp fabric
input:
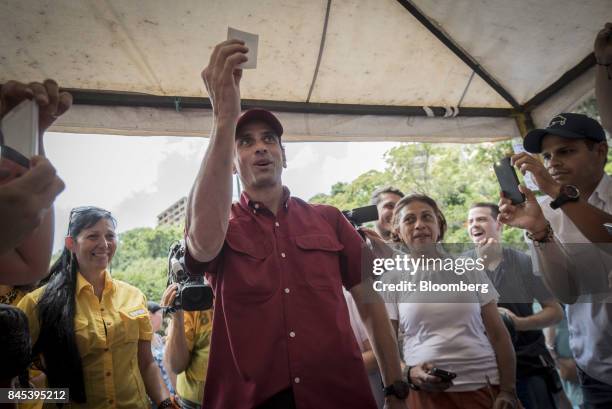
(375, 53)
(300, 127)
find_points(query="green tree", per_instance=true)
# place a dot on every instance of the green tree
(346, 196)
(145, 242)
(142, 258)
(456, 176)
(149, 275)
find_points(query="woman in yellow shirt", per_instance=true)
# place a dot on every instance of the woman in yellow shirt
(93, 331)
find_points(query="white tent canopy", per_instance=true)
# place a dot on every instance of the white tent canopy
(428, 70)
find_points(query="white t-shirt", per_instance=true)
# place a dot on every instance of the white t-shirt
(361, 336)
(449, 334)
(590, 323)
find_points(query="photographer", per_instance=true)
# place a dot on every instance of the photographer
(26, 212)
(187, 349)
(565, 230)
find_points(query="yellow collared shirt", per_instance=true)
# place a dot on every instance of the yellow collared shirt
(107, 334)
(198, 327)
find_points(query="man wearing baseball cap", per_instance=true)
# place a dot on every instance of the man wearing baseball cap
(282, 336)
(562, 229)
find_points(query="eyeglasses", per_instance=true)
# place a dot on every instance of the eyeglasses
(86, 209)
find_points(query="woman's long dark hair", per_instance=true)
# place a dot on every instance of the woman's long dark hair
(56, 311)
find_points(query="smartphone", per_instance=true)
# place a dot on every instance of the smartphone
(446, 376)
(508, 181)
(20, 129)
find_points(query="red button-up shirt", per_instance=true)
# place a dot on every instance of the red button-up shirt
(280, 318)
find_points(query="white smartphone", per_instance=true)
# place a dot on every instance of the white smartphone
(20, 128)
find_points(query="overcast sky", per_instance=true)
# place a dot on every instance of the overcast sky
(136, 178)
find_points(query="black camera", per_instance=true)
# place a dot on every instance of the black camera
(361, 215)
(193, 291)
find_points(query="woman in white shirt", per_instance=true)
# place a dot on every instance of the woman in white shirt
(457, 331)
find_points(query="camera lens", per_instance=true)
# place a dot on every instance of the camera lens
(196, 297)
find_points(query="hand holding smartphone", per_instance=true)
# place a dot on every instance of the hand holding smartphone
(508, 181)
(19, 131)
(20, 128)
(446, 376)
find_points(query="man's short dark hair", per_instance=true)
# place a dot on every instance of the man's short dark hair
(375, 198)
(494, 208)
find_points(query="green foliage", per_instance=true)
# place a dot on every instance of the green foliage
(142, 258)
(346, 196)
(456, 176)
(145, 242)
(149, 275)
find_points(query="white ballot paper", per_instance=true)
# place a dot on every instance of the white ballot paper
(517, 147)
(250, 40)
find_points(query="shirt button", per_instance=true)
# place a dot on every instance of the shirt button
(292, 334)
(277, 224)
(101, 309)
(108, 374)
(256, 205)
(287, 291)
(296, 380)
(283, 255)
(255, 211)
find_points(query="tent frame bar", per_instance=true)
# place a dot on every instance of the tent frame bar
(583, 66)
(109, 98)
(459, 52)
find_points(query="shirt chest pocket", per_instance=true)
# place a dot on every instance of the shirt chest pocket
(319, 260)
(248, 273)
(85, 336)
(130, 324)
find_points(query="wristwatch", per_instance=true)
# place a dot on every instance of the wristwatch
(399, 389)
(568, 193)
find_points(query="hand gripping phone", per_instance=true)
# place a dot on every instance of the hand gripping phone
(446, 376)
(18, 139)
(508, 181)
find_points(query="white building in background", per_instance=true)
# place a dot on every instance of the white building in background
(175, 214)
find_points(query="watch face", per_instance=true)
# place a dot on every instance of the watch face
(570, 191)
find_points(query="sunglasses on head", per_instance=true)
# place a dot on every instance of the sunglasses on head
(77, 211)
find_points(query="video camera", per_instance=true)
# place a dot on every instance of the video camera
(193, 292)
(361, 215)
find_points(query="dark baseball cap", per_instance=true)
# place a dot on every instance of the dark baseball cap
(259, 114)
(565, 125)
(153, 307)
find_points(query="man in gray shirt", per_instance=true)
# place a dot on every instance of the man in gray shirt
(511, 273)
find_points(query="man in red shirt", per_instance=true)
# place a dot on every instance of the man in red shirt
(282, 336)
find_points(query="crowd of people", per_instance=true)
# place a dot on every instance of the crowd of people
(297, 322)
